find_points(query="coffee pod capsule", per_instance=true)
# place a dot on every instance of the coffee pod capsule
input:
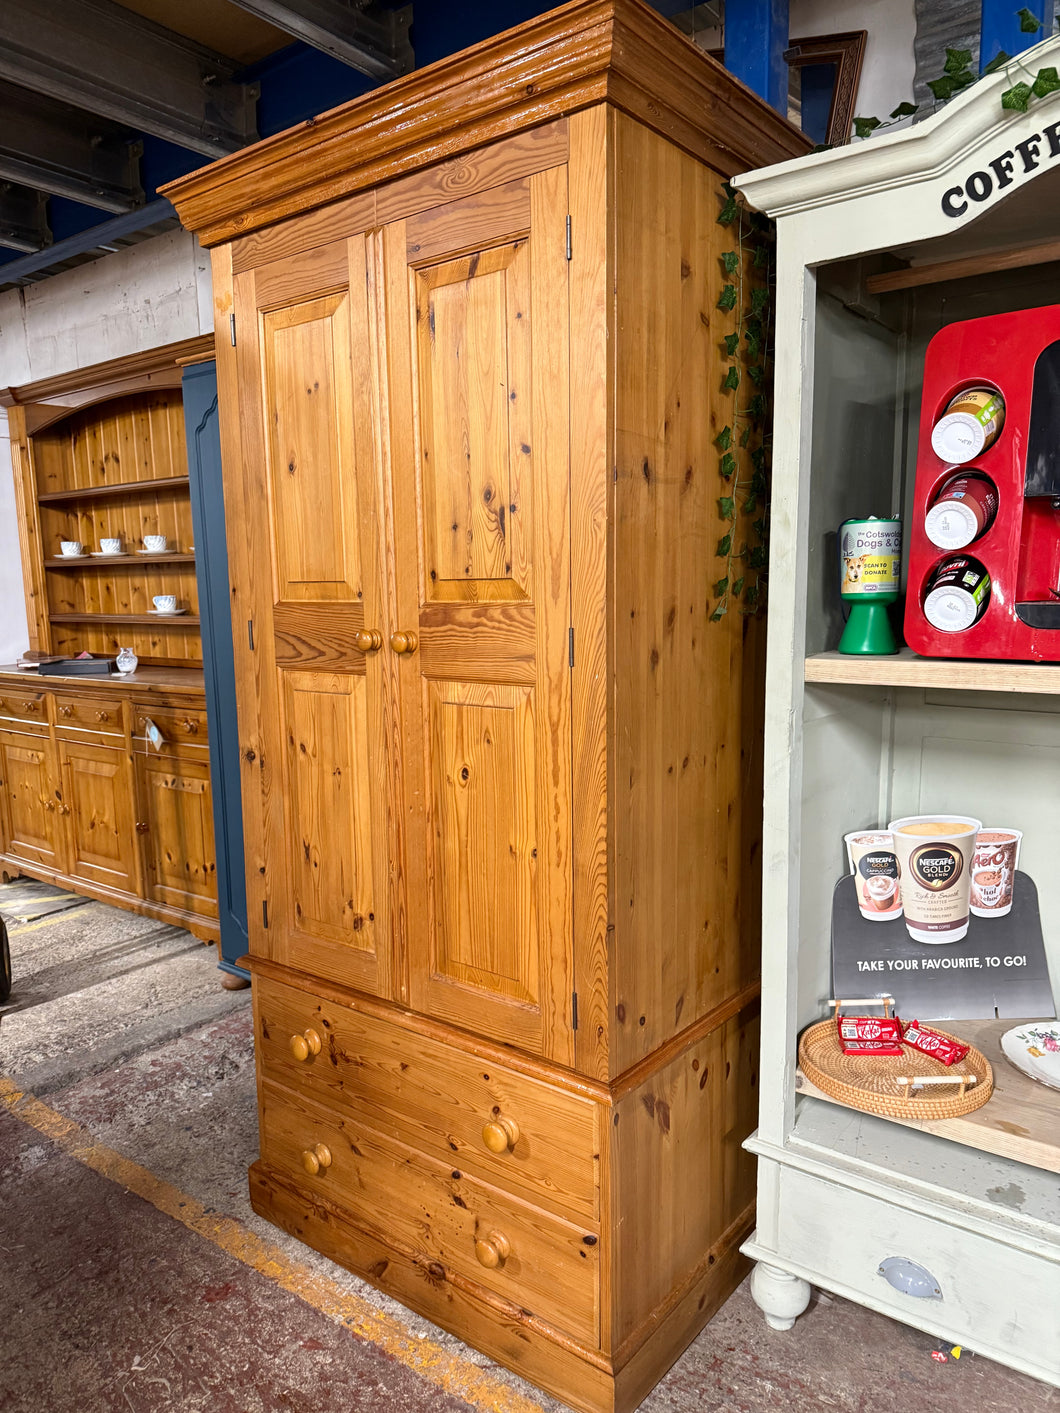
(994, 864)
(963, 510)
(934, 854)
(957, 595)
(970, 425)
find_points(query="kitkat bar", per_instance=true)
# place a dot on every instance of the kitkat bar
(870, 1035)
(930, 1042)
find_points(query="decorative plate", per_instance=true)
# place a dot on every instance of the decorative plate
(1035, 1049)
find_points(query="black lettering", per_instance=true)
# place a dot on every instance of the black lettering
(1054, 139)
(949, 202)
(1028, 150)
(1002, 169)
(979, 186)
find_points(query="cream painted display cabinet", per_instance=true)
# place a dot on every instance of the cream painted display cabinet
(500, 770)
(879, 246)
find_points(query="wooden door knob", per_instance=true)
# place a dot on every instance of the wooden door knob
(368, 640)
(48, 804)
(66, 711)
(64, 809)
(29, 706)
(302, 1046)
(191, 727)
(403, 642)
(315, 1158)
(102, 715)
(493, 1250)
(500, 1134)
(141, 826)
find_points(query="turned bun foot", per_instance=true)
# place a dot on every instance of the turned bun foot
(781, 1297)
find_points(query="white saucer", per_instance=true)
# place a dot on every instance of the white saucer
(153, 554)
(1028, 1048)
(104, 554)
(73, 558)
(167, 612)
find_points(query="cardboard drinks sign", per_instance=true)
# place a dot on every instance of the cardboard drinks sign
(998, 970)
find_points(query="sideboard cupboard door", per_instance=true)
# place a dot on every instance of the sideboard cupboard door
(313, 549)
(30, 800)
(98, 802)
(175, 825)
(477, 355)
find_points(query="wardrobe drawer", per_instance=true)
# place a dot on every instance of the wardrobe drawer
(28, 704)
(437, 1212)
(95, 714)
(435, 1096)
(180, 726)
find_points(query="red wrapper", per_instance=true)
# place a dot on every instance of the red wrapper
(870, 1035)
(930, 1042)
(869, 1047)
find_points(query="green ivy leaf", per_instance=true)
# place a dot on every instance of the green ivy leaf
(759, 527)
(745, 436)
(759, 557)
(963, 79)
(1029, 21)
(999, 61)
(864, 126)
(754, 346)
(731, 342)
(760, 258)
(724, 439)
(724, 545)
(957, 59)
(759, 301)
(728, 212)
(942, 88)
(757, 406)
(1048, 81)
(756, 373)
(750, 598)
(737, 587)
(732, 377)
(727, 298)
(1017, 97)
(758, 459)
(726, 507)
(904, 110)
(730, 261)
(721, 586)
(750, 505)
(758, 482)
(728, 465)
(719, 613)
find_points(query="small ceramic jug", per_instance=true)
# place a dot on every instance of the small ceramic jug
(126, 660)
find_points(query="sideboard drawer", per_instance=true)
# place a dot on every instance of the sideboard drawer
(181, 727)
(544, 1139)
(27, 704)
(437, 1212)
(96, 714)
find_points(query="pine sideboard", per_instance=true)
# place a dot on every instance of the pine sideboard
(500, 770)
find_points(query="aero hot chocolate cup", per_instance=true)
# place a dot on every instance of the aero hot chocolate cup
(994, 864)
(934, 853)
(872, 862)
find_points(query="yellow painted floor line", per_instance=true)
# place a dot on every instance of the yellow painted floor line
(44, 922)
(439, 1366)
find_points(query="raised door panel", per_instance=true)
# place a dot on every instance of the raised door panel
(314, 564)
(30, 800)
(478, 441)
(97, 790)
(173, 796)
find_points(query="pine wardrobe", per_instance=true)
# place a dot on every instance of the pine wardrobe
(501, 774)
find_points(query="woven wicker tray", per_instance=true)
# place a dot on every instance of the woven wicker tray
(869, 1082)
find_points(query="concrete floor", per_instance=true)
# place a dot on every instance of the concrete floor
(135, 1277)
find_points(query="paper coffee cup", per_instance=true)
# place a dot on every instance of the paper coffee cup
(934, 853)
(994, 863)
(870, 854)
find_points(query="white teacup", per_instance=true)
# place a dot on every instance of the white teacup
(72, 547)
(155, 544)
(110, 546)
(165, 603)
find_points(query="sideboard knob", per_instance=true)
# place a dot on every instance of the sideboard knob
(493, 1250)
(316, 1158)
(500, 1134)
(302, 1046)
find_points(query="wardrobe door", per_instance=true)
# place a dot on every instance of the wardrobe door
(477, 367)
(311, 557)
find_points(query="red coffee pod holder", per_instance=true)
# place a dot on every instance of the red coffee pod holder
(1019, 355)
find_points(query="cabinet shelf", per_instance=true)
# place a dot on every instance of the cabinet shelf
(183, 620)
(163, 483)
(905, 669)
(100, 561)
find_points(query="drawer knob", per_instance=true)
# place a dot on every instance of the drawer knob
(302, 1046)
(403, 642)
(141, 826)
(368, 640)
(29, 706)
(102, 715)
(500, 1134)
(191, 727)
(48, 804)
(66, 711)
(64, 809)
(315, 1158)
(493, 1250)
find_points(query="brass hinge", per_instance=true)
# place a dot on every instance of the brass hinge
(574, 1010)
(232, 328)
(265, 912)
(250, 633)
(570, 647)
(569, 246)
